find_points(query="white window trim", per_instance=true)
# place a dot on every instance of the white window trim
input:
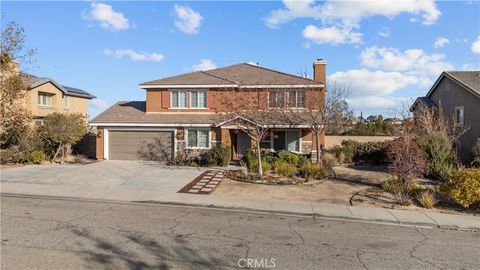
(463, 115)
(106, 137)
(186, 99)
(49, 97)
(296, 99)
(209, 138)
(268, 98)
(190, 99)
(67, 99)
(272, 145)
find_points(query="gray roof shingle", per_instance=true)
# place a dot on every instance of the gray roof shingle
(33, 81)
(469, 78)
(235, 75)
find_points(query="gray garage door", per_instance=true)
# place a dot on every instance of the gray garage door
(146, 145)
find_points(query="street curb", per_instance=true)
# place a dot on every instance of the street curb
(249, 210)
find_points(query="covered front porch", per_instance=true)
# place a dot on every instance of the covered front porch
(297, 140)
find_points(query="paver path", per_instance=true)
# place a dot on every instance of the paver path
(203, 184)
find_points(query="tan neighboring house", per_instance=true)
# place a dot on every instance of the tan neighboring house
(46, 96)
(181, 113)
(458, 94)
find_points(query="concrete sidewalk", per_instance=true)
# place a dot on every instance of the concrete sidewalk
(410, 217)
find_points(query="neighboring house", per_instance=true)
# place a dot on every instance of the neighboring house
(181, 112)
(458, 95)
(45, 96)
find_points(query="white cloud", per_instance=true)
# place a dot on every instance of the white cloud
(350, 13)
(332, 35)
(135, 56)
(385, 32)
(440, 42)
(364, 82)
(205, 64)
(188, 20)
(412, 61)
(476, 46)
(99, 103)
(391, 104)
(107, 17)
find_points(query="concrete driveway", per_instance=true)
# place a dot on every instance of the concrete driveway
(110, 179)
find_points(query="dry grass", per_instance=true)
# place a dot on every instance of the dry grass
(427, 199)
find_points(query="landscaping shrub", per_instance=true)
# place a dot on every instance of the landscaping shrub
(309, 170)
(219, 155)
(476, 154)
(370, 152)
(36, 157)
(440, 155)
(391, 186)
(251, 159)
(284, 168)
(269, 157)
(354, 151)
(463, 186)
(289, 157)
(427, 198)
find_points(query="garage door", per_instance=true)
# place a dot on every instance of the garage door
(145, 145)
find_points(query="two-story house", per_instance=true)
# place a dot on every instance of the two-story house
(458, 94)
(181, 112)
(44, 96)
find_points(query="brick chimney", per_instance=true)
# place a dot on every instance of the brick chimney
(320, 70)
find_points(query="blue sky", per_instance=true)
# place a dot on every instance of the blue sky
(386, 52)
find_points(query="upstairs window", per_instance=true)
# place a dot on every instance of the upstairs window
(198, 99)
(296, 99)
(459, 115)
(276, 99)
(66, 102)
(44, 99)
(179, 99)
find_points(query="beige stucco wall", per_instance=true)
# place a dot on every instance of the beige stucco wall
(331, 141)
(78, 105)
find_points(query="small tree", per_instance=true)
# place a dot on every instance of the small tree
(319, 113)
(406, 161)
(249, 112)
(63, 130)
(15, 119)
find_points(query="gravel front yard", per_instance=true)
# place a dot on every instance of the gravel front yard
(350, 180)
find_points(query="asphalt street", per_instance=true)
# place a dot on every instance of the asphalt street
(49, 233)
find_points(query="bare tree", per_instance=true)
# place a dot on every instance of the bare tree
(248, 111)
(430, 120)
(322, 110)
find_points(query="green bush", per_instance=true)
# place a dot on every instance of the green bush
(251, 159)
(289, 157)
(218, 155)
(269, 157)
(371, 152)
(284, 168)
(36, 157)
(440, 154)
(354, 151)
(463, 186)
(310, 170)
(392, 186)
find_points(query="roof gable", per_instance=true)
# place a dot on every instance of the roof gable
(239, 75)
(469, 80)
(33, 82)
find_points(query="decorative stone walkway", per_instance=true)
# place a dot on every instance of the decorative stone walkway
(204, 183)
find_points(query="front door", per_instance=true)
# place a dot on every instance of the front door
(286, 140)
(243, 144)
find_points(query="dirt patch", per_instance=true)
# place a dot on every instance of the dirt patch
(349, 181)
